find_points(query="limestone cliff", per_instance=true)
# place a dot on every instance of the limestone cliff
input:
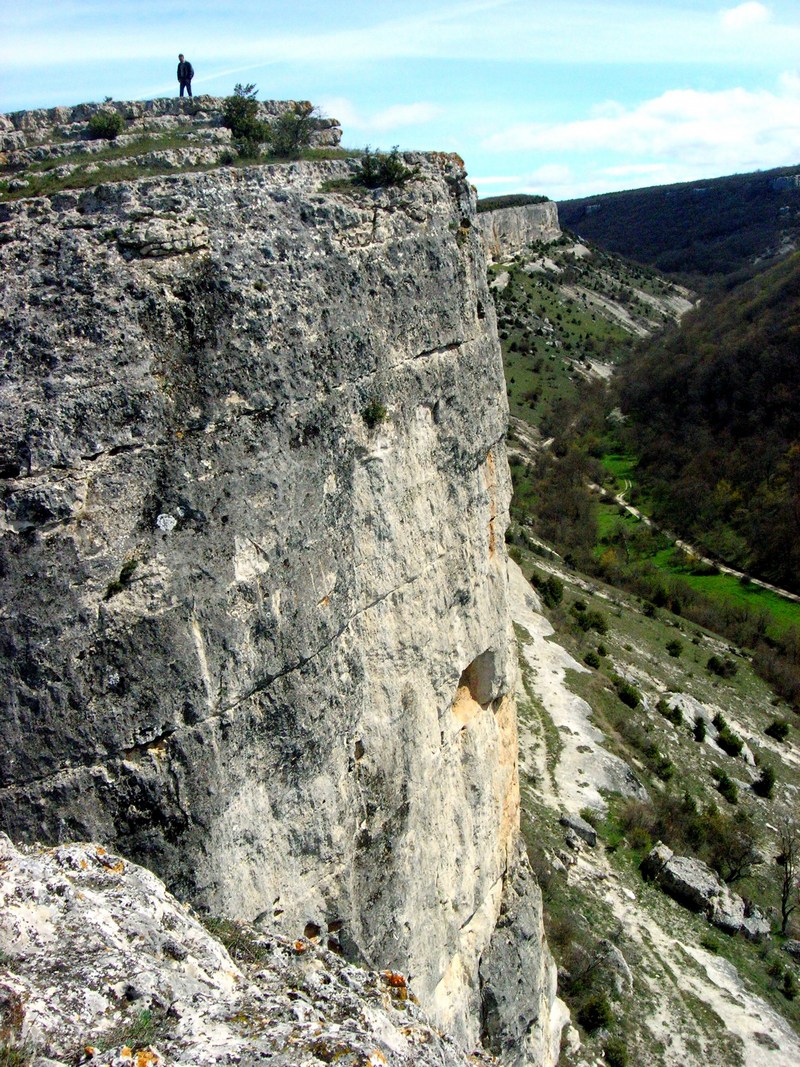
(255, 629)
(508, 230)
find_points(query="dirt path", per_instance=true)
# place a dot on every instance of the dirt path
(699, 1011)
(619, 499)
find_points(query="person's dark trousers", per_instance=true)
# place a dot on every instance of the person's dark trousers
(187, 86)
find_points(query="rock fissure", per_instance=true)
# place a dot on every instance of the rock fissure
(267, 682)
(149, 745)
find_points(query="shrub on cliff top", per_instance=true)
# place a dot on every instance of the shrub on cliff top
(379, 169)
(292, 131)
(106, 125)
(239, 114)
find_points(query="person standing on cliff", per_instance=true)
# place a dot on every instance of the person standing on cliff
(185, 74)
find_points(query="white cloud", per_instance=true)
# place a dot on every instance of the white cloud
(730, 129)
(390, 118)
(551, 180)
(560, 31)
(499, 179)
(405, 115)
(745, 16)
(550, 174)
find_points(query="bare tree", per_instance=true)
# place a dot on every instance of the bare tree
(733, 849)
(788, 859)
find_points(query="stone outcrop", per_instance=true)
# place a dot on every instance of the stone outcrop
(581, 827)
(521, 1029)
(694, 884)
(255, 630)
(45, 133)
(509, 230)
(157, 136)
(101, 965)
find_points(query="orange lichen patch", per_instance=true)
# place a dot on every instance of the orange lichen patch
(89, 1050)
(146, 1056)
(300, 947)
(445, 159)
(324, 602)
(115, 865)
(507, 771)
(398, 986)
(376, 1058)
(84, 865)
(126, 1051)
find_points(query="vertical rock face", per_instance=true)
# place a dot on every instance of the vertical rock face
(254, 627)
(508, 230)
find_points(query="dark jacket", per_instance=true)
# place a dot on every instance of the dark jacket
(185, 71)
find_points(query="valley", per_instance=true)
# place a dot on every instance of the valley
(642, 640)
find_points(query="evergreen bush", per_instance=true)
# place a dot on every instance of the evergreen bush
(779, 729)
(292, 131)
(374, 413)
(106, 125)
(379, 169)
(628, 694)
(764, 786)
(595, 1013)
(240, 115)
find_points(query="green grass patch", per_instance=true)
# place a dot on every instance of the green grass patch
(620, 465)
(548, 339)
(135, 148)
(638, 544)
(42, 182)
(47, 185)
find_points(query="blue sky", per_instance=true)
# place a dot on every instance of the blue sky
(562, 97)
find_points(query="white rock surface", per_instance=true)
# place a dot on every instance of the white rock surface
(510, 230)
(102, 965)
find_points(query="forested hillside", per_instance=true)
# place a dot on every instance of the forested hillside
(671, 717)
(714, 229)
(715, 422)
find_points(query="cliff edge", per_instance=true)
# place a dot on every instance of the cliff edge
(255, 627)
(506, 231)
